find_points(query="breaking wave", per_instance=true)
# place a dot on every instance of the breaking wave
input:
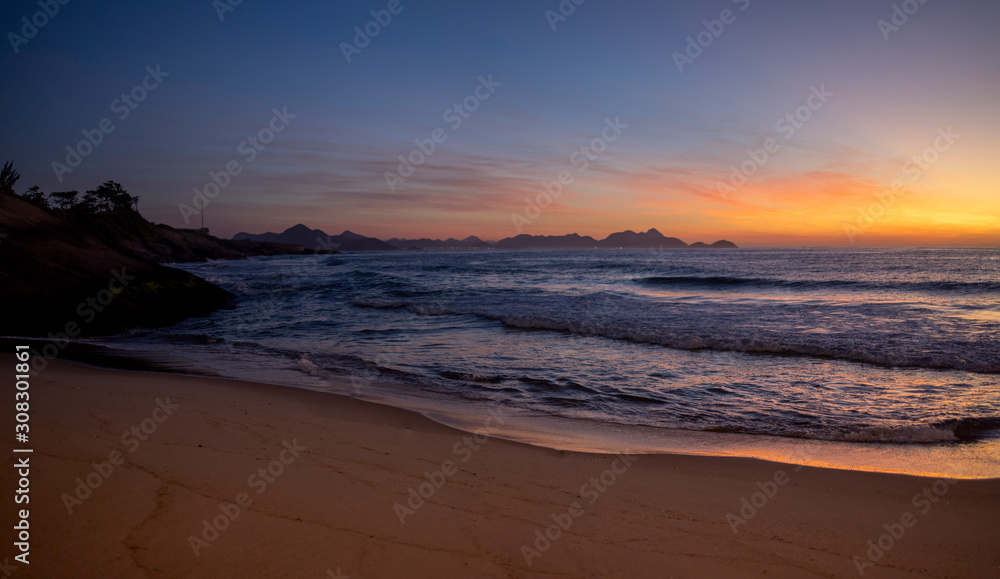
(703, 332)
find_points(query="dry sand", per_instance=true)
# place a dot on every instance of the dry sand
(329, 510)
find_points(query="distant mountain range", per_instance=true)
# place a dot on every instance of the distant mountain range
(651, 239)
(315, 239)
(471, 242)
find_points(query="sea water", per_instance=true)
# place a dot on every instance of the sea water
(884, 359)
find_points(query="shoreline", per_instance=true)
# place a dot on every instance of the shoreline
(343, 472)
(970, 460)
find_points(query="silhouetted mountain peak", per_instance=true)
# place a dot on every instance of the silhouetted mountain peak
(471, 242)
(351, 236)
(569, 241)
(649, 239)
(317, 239)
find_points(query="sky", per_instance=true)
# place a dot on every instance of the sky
(768, 123)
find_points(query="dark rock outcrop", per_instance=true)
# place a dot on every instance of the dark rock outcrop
(59, 277)
(129, 233)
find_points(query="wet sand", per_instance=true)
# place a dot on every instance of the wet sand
(138, 474)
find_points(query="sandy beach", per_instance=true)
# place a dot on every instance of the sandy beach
(500, 290)
(154, 475)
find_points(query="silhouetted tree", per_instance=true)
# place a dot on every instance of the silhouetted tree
(110, 196)
(8, 176)
(64, 200)
(35, 196)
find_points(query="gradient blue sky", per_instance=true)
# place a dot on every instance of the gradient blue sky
(607, 60)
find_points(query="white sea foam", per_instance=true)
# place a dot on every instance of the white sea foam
(306, 365)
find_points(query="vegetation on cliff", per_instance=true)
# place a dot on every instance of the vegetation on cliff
(65, 271)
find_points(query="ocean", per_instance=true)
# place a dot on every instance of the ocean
(878, 359)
